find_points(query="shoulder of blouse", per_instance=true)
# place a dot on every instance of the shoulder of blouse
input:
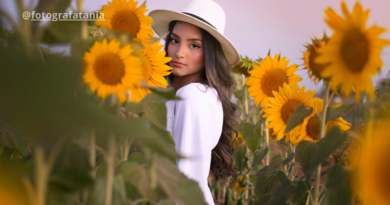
(198, 92)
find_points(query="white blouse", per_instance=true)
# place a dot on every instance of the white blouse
(196, 128)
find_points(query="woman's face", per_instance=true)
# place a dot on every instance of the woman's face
(186, 49)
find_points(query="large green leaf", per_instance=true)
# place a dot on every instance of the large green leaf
(62, 32)
(274, 165)
(336, 112)
(155, 109)
(251, 134)
(11, 137)
(303, 155)
(326, 146)
(295, 119)
(259, 156)
(51, 92)
(338, 186)
(239, 157)
(177, 186)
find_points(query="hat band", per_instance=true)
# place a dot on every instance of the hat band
(199, 18)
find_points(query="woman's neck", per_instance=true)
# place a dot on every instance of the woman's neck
(180, 81)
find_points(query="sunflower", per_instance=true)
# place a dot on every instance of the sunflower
(153, 69)
(283, 105)
(238, 140)
(123, 15)
(268, 76)
(315, 69)
(353, 51)
(372, 178)
(110, 69)
(309, 130)
(271, 135)
(241, 184)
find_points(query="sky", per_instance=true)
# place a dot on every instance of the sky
(283, 26)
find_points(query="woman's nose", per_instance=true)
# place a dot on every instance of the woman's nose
(180, 51)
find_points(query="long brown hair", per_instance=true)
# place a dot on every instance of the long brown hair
(217, 75)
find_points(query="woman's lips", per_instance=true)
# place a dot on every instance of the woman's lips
(177, 64)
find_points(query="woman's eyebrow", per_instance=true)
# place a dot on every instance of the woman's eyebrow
(192, 39)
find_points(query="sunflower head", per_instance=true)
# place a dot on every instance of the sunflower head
(372, 178)
(241, 184)
(110, 69)
(310, 129)
(123, 15)
(154, 68)
(352, 51)
(238, 140)
(283, 105)
(268, 76)
(315, 69)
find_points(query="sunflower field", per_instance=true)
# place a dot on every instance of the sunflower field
(89, 128)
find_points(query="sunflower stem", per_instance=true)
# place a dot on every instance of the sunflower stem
(110, 169)
(266, 142)
(317, 193)
(245, 97)
(92, 152)
(41, 174)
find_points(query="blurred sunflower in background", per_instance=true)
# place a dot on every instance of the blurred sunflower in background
(238, 140)
(110, 69)
(241, 184)
(123, 15)
(314, 69)
(268, 76)
(353, 51)
(309, 130)
(372, 179)
(283, 105)
(153, 69)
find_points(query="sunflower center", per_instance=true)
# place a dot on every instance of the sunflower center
(272, 80)
(313, 128)
(355, 50)
(125, 20)
(288, 109)
(316, 68)
(109, 68)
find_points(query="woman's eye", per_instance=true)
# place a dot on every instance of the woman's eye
(194, 46)
(174, 41)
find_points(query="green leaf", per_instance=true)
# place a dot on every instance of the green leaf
(166, 93)
(281, 175)
(259, 156)
(289, 158)
(274, 165)
(295, 119)
(262, 171)
(176, 184)
(336, 112)
(251, 134)
(304, 152)
(338, 186)
(168, 202)
(282, 193)
(62, 32)
(239, 157)
(264, 184)
(155, 110)
(326, 146)
(11, 137)
(263, 199)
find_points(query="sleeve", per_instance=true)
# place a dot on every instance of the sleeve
(194, 130)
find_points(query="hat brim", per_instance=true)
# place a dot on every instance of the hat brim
(162, 18)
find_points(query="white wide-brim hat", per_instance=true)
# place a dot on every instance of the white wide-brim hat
(205, 14)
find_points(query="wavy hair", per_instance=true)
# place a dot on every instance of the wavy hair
(217, 75)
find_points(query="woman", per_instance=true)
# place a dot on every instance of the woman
(202, 122)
